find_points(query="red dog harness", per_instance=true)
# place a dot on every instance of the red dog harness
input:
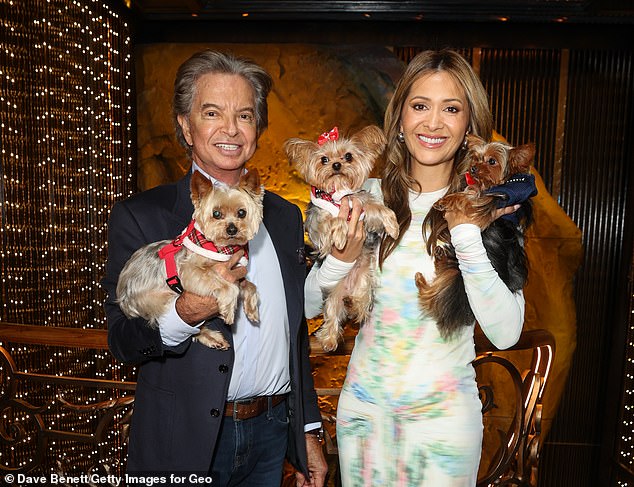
(194, 240)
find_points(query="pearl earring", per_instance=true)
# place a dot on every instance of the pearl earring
(401, 137)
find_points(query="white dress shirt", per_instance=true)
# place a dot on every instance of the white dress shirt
(261, 365)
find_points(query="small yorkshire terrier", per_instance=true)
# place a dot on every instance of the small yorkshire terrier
(335, 167)
(225, 218)
(497, 176)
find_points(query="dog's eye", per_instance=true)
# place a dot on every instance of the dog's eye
(348, 157)
(217, 214)
(242, 213)
(492, 161)
(324, 160)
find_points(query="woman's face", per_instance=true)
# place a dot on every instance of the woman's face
(434, 119)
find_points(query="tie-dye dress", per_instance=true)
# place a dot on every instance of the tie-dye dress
(409, 413)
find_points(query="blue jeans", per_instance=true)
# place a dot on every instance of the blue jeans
(250, 452)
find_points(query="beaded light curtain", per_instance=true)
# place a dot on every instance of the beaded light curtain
(624, 443)
(66, 156)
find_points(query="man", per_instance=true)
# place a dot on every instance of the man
(228, 413)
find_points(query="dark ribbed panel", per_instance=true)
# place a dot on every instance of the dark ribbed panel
(594, 192)
(523, 87)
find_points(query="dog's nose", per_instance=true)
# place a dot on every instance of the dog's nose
(232, 229)
(336, 166)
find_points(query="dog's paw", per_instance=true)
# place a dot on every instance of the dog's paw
(250, 301)
(212, 339)
(252, 311)
(380, 219)
(391, 225)
(339, 233)
(421, 282)
(227, 299)
(329, 344)
(228, 316)
(442, 204)
(227, 311)
(328, 338)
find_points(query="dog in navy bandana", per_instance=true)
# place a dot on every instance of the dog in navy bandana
(495, 175)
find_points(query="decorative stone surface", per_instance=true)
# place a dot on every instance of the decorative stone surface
(315, 88)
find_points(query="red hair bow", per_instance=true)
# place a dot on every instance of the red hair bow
(326, 136)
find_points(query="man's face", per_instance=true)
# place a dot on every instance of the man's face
(221, 128)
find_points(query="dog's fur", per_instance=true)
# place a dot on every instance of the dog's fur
(489, 164)
(342, 166)
(226, 216)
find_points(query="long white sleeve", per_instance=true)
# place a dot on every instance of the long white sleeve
(321, 279)
(499, 311)
(173, 329)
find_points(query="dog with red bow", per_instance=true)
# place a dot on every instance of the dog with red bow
(225, 219)
(336, 166)
(496, 175)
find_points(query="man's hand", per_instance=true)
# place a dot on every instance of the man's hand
(194, 309)
(317, 466)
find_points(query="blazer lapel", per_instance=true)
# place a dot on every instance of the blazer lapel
(183, 207)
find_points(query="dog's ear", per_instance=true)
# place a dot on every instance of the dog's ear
(200, 186)
(521, 158)
(474, 140)
(251, 181)
(372, 138)
(300, 153)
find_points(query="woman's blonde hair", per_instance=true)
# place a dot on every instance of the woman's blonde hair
(396, 179)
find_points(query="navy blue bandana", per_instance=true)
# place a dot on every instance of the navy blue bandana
(515, 191)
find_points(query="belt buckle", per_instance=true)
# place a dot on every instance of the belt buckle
(235, 410)
(237, 403)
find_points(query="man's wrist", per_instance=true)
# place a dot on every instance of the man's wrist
(318, 433)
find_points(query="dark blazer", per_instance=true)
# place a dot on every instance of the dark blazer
(180, 394)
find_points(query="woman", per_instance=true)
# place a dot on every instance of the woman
(409, 412)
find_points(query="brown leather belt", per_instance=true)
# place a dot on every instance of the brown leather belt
(250, 408)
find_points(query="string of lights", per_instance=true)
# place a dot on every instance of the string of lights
(66, 156)
(625, 442)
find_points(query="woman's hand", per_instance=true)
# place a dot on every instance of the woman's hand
(356, 231)
(454, 218)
